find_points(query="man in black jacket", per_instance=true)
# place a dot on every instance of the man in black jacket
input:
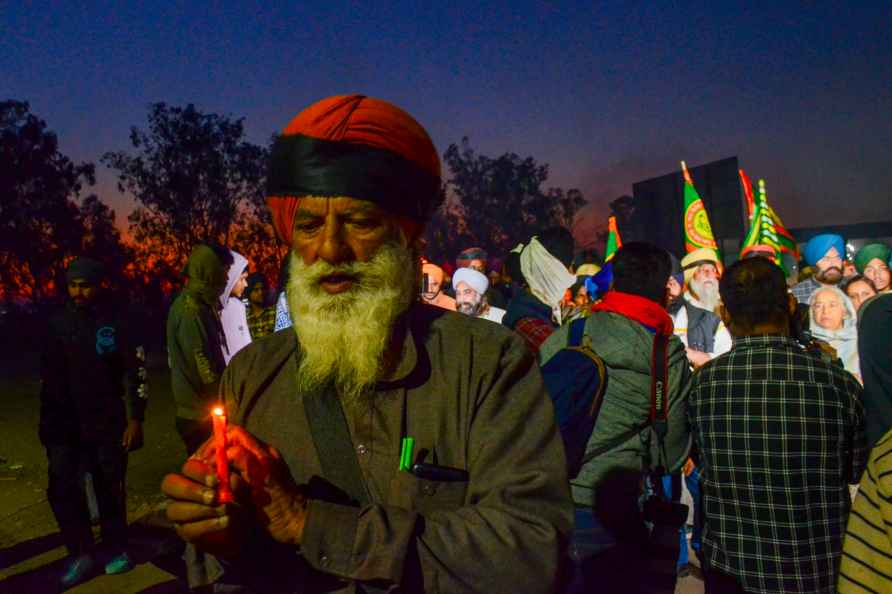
(92, 401)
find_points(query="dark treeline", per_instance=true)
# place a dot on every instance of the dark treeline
(196, 178)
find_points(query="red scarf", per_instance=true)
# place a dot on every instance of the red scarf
(640, 309)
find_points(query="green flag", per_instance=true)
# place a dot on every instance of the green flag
(767, 229)
(697, 230)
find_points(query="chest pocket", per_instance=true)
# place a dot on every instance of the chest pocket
(407, 491)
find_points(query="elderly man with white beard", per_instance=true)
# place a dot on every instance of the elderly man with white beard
(701, 276)
(701, 282)
(365, 453)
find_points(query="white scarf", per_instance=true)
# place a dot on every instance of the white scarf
(546, 276)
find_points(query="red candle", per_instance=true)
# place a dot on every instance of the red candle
(224, 494)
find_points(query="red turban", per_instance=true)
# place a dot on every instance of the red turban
(359, 147)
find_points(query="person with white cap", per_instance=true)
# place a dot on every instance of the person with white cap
(470, 288)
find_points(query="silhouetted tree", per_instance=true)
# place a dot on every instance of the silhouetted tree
(41, 224)
(196, 179)
(499, 202)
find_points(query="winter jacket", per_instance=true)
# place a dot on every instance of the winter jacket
(626, 347)
(92, 376)
(195, 336)
(874, 337)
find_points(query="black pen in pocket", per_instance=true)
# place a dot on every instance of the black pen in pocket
(433, 472)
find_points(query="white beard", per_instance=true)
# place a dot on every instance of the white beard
(708, 296)
(343, 337)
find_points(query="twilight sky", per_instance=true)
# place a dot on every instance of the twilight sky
(607, 94)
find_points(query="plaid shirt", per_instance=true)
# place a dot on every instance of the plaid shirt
(780, 434)
(263, 323)
(534, 331)
(803, 291)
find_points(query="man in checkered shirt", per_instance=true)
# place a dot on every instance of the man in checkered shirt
(780, 436)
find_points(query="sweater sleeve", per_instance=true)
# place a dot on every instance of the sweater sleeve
(866, 564)
(514, 514)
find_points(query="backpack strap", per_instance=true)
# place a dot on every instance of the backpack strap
(577, 331)
(331, 436)
(659, 408)
(659, 387)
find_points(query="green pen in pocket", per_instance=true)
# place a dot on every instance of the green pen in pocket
(406, 450)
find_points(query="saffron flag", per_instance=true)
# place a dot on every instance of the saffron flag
(614, 242)
(697, 230)
(766, 228)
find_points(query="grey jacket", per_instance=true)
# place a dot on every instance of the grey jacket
(625, 346)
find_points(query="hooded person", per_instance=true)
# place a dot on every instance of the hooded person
(873, 262)
(375, 437)
(702, 271)
(433, 292)
(826, 254)
(470, 295)
(834, 320)
(233, 314)
(195, 342)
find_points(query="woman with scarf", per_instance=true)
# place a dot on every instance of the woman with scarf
(834, 320)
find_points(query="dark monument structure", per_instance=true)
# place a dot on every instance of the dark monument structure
(654, 212)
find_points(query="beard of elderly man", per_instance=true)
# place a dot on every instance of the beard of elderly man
(344, 334)
(705, 286)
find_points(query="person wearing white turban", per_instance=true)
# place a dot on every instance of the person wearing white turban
(470, 295)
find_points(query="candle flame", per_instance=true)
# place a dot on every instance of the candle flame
(218, 410)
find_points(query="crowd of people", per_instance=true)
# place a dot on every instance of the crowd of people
(383, 438)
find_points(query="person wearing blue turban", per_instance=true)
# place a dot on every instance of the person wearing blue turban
(826, 253)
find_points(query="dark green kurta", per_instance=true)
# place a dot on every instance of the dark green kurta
(475, 401)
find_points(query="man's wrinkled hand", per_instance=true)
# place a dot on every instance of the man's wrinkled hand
(280, 505)
(193, 507)
(132, 439)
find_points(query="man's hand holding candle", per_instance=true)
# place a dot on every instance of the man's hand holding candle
(262, 488)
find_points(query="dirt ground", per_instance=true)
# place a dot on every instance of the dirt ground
(31, 552)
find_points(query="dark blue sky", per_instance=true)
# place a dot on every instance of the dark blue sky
(801, 92)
